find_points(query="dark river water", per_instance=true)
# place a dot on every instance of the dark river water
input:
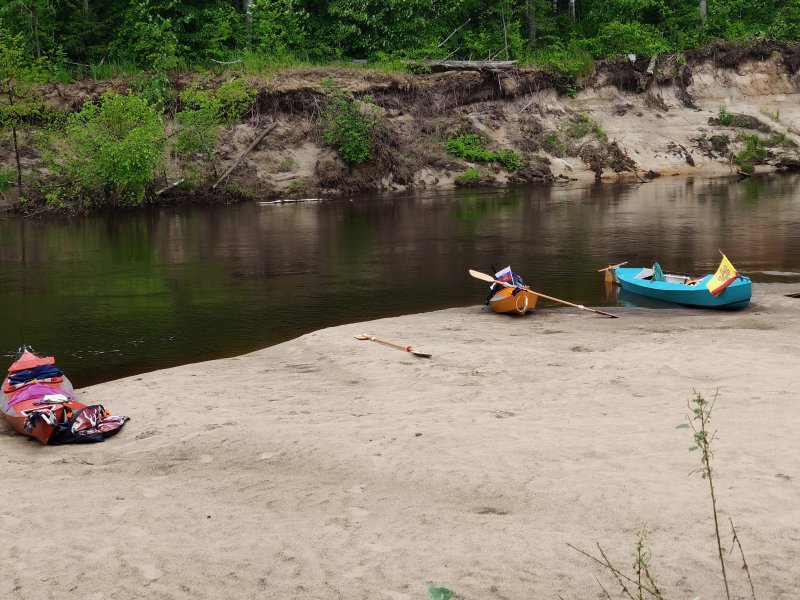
(115, 295)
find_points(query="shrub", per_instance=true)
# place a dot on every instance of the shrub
(472, 147)
(468, 177)
(753, 153)
(346, 126)
(114, 148)
(725, 118)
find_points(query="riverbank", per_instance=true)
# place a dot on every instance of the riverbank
(328, 467)
(715, 111)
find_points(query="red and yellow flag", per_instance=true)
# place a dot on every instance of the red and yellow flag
(726, 274)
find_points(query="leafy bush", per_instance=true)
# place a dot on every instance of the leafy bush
(279, 29)
(571, 60)
(472, 147)
(204, 113)
(346, 126)
(725, 118)
(6, 178)
(615, 38)
(114, 148)
(228, 102)
(753, 153)
(510, 160)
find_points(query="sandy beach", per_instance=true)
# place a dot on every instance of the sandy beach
(328, 467)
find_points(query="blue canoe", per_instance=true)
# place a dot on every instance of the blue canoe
(681, 289)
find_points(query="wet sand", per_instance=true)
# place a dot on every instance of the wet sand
(328, 467)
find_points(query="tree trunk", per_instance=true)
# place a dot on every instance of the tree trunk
(11, 103)
(85, 8)
(572, 10)
(703, 12)
(35, 30)
(16, 154)
(531, 8)
(555, 7)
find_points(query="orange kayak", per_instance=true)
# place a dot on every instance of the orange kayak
(505, 300)
(38, 401)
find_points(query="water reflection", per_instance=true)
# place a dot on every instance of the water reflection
(119, 294)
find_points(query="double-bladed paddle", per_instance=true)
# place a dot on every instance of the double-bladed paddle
(411, 349)
(490, 279)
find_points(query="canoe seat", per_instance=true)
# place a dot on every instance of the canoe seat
(658, 274)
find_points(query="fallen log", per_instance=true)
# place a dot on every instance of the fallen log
(170, 186)
(255, 143)
(469, 65)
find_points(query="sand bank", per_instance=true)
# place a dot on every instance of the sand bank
(328, 467)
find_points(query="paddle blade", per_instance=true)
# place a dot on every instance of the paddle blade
(481, 276)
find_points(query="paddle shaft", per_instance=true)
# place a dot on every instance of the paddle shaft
(489, 278)
(410, 349)
(610, 267)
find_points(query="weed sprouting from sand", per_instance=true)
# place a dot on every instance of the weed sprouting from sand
(699, 421)
(642, 585)
(440, 593)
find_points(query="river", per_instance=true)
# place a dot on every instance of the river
(124, 293)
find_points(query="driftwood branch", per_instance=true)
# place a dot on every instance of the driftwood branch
(230, 62)
(170, 186)
(255, 143)
(469, 65)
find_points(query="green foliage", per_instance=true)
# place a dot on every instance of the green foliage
(113, 149)
(161, 35)
(203, 114)
(279, 29)
(147, 36)
(725, 118)
(753, 153)
(472, 147)
(616, 38)
(6, 178)
(228, 102)
(154, 89)
(582, 125)
(571, 60)
(20, 97)
(781, 139)
(553, 144)
(346, 126)
(468, 177)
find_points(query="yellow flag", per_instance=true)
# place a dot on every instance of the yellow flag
(726, 274)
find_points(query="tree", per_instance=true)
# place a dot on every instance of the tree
(20, 99)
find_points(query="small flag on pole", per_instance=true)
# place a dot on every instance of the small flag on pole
(726, 274)
(506, 276)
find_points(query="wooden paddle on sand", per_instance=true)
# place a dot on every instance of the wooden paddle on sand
(490, 279)
(369, 336)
